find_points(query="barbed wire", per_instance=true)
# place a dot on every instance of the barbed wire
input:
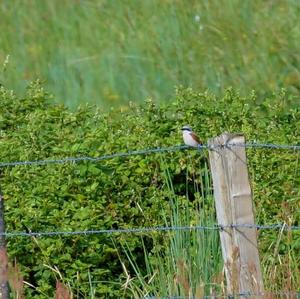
(145, 152)
(148, 229)
(242, 294)
(96, 159)
(270, 145)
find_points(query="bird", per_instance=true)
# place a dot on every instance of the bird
(189, 137)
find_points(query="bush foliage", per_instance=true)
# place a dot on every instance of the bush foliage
(127, 192)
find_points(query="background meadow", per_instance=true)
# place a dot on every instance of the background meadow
(110, 52)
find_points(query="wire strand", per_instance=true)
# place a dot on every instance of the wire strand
(144, 152)
(95, 159)
(148, 229)
(242, 294)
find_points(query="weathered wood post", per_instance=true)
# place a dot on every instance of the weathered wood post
(4, 289)
(234, 207)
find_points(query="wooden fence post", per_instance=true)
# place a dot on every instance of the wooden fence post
(234, 206)
(4, 289)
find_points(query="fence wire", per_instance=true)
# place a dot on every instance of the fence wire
(282, 294)
(146, 152)
(148, 229)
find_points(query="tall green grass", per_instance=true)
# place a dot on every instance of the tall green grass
(189, 263)
(111, 51)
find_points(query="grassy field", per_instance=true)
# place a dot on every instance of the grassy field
(110, 52)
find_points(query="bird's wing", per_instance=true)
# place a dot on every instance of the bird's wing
(196, 138)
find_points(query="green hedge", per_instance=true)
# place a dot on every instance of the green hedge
(126, 192)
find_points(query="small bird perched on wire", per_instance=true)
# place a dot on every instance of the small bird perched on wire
(189, 137)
